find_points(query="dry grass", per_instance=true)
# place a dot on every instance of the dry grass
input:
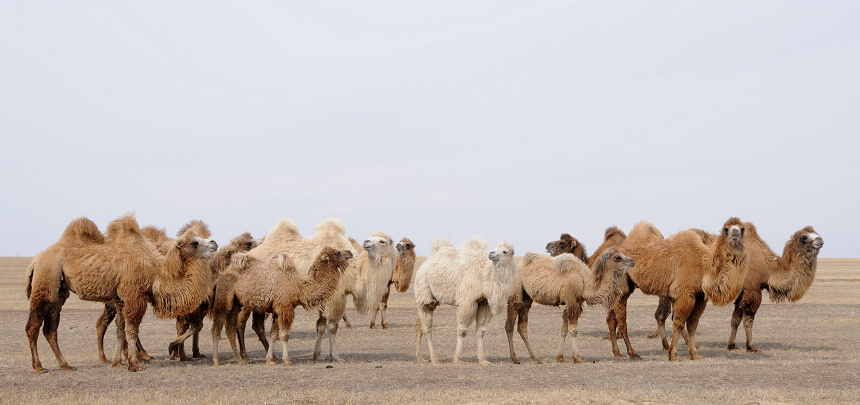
(809, 355)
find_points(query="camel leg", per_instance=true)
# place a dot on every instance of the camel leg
(660, 315)
(523, 327)
(34, 324)
(217, 327)
(120, 336)
(241, 323)
(466, 312)
(321, 327)
(513, 311)
(682, 308)
(133, 313)
(482, 318)
(285, 321)
(383, 306)
(347, 323)
(52, 323)
(107, 316)
(749, 318)
(573, 327)
(332, 341)
(621, 318)
(231, 330)
(424, 327)
(693, 324)
(564, 325)
(177, 347)
(612, 324)
(737, 316)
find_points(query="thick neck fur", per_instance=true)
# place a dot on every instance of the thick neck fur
(403, 271)
(322, 284)
(181, 285)
(368, 278)
(602, 282)
(793, 274)
(724, 275)
(497, 285)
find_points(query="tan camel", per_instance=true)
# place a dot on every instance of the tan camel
(366, 278)
(687, 271)
(563, 280)
(401, 278)
(123, 268)
(275, 286)
(478, 284)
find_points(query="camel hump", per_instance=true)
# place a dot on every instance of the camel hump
(475, 244)
(566, 262)
(532, 257)
(83, 231)
(613, 232)
(124, 225)
(440, 243)
(197, 227)
(751, 229)
(331, 226)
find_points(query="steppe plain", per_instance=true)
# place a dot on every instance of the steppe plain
(809, 354)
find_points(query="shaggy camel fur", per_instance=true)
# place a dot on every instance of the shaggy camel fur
(786, 277)
(401, 278)
(476, 283)
(121, 267)
(567, 244)
(366, 278)
(687, 271)
(191, 324)
(562, 280)
(274, 286)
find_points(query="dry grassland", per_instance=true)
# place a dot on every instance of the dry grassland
(809, 354)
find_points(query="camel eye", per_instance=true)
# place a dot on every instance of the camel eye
(726, 230)
(248, 245)
(337, 254)
(803, 238)
(195, 244)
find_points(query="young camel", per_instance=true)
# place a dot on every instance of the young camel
(274, 286)
(687, 271)
(121, 267)
(477, 284)
(562, 280)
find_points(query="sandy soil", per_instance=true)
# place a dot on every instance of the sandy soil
(809, 355)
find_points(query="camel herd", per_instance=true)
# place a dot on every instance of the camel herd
(189, 278)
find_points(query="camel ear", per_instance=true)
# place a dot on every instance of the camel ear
(178, 244)
(325, 258)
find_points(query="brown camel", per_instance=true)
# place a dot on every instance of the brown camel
(567, 244)
(121, 267)
(275, 286)
(562, 280)
(190, 325)
(687, 271)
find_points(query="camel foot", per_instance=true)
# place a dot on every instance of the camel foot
(336, 359)
(372, 325)
(133, 367)
(385, 325)
(732, 346)
(752, 349)
(577, 360)
(695, 357)
(103, 360)
(288, 363)
(560, 359)
(673, 357)
(172, 348)
(117, 364)
(144, 356)
(242, 362)
(39, 370)
(67, 368)
(515, 361)
(198, 355)
(457, 362)
(618, 355)
(633, 355)
(653, 335)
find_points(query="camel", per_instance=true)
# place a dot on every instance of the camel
(366, 278)
(190, 325)
(567, 244)
(121, 267)
(563, 280)
(401, 278)
(786, 278)
(274, 286)
(476, 283)
(687, 271)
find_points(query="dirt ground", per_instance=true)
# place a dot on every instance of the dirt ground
(809, 354)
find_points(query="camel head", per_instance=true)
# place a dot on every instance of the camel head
(504, 251)
(733, 230)
(245, 242)
(565, 244)
(404, 247)
(377, 244)
(614, 261)
(339, 259)
(805, 242)
(197, 227)
(194, 246)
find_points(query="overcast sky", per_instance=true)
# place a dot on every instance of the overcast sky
(510, 120)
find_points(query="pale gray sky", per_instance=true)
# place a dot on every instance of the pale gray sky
(511, 120)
